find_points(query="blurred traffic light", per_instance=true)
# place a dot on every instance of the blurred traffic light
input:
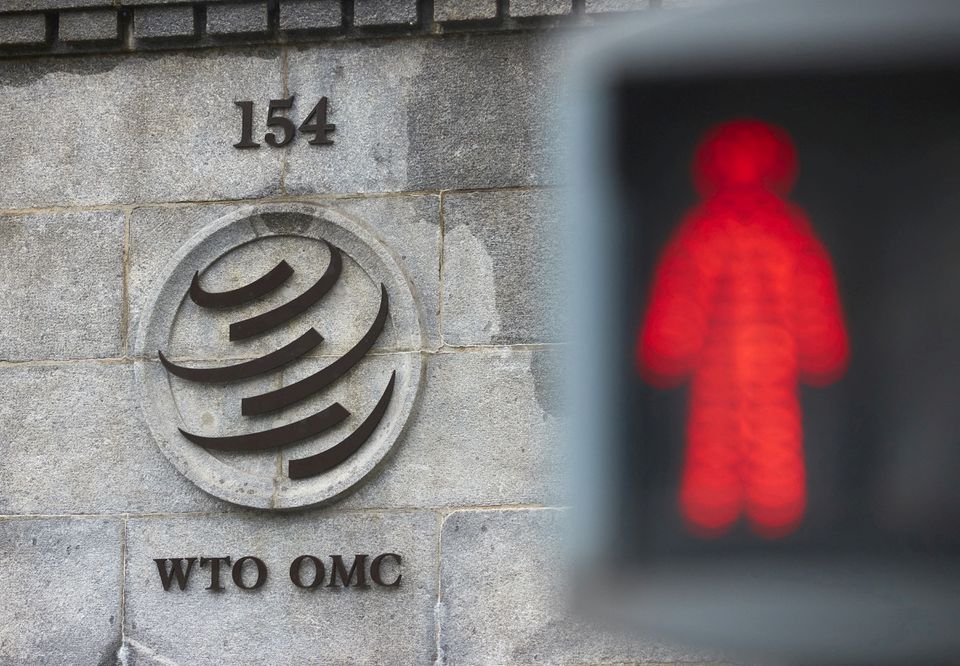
(767, 331)
(744, 304)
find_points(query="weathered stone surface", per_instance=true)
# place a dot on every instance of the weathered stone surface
(504, 598)
(23, 29)
(408, 224)
(484, 434)
(128, 3)
(41, 5)
(540, 7)
(61, 591)
(464, 10)
(168, 136)
(89, 25)
(616, 5)
(74, 441)
(237, 18)
(501, 269)
(426, 114)
(62, 278)
(157, 22)
(384, 12)
(310, 14)
(279, 623)
(411, 228)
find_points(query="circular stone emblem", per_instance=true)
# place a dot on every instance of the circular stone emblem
(280, 357)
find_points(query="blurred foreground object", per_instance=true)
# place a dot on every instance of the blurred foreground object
(767, 329)
(743, 302)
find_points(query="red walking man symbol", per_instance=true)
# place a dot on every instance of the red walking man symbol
(744, 305)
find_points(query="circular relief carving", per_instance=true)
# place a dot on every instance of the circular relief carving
(280, 357)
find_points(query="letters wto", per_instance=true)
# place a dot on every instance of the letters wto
(179, 568)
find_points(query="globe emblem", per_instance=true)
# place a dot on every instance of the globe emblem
(281, 356)
(290, 394)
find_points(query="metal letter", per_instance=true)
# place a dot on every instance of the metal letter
(175, 571)
(237, 573)
(338, 568)
(214, 571)
(375, 570)
(319, 572)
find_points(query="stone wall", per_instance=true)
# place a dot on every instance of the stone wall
(112, 160)
(74, 26)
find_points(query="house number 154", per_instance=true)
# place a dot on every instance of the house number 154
(315, 123)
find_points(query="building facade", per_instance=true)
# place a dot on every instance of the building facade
(418, 148)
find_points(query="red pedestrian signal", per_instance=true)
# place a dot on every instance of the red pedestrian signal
(764, 369)
(744, 306)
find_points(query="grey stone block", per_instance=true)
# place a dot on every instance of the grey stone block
(593, 6)
(279, 623)
(408, 224)
(62, 278)
(22, 29)
(142, 128)
(61, 591)
(384, 12)
(155, 236)
(75, 442)
(525, 8)
(89, 25)
(483, 620)
(487, 432)
(163, 22)
(310, 14)
(456, 112)
(137, 3)
(237, 18)
(464, 10)
(43, 5)
(501, 268)
(411, 227)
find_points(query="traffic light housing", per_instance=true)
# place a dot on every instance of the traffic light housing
(767, 326)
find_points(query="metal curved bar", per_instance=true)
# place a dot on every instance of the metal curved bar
(248, 292)
(283, 397)
(302, 468)
(229, 373)
(247, 328)
(275, 437)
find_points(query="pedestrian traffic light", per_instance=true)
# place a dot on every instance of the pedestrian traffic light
(743, 305)
(767, 326)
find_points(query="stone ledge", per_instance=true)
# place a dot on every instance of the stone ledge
(23, 30)
(89, 25)
(44, 27)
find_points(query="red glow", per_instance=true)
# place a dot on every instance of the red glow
(744, 305)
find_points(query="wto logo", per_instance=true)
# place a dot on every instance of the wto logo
(290, 389)
(279, 399)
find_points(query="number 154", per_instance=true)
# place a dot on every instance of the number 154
(316, 124)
